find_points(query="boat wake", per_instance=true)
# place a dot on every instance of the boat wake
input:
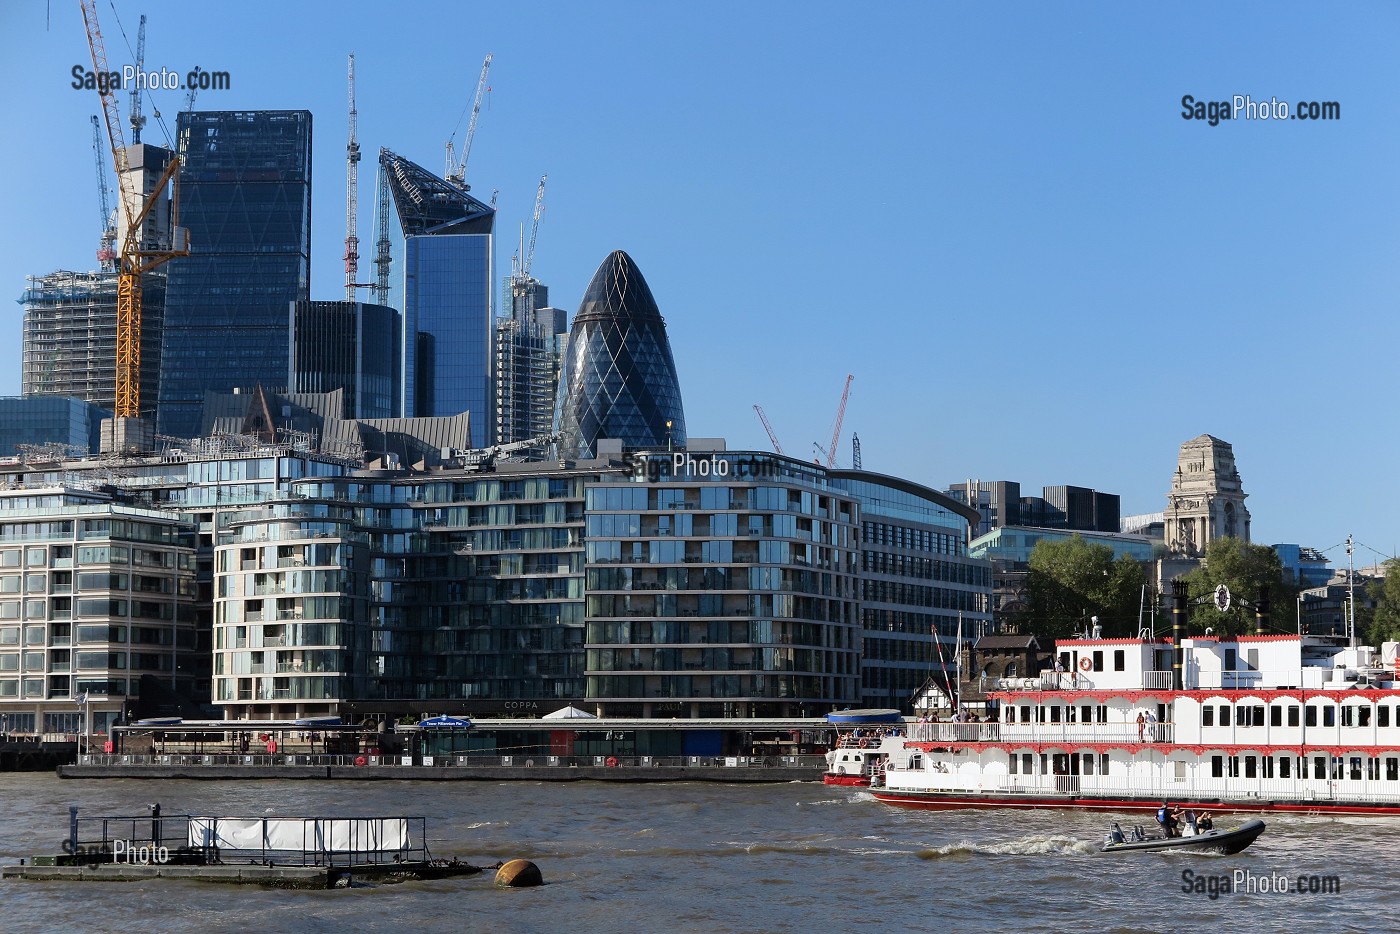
(1026, 846)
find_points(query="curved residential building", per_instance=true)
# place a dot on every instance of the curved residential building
(619, 379)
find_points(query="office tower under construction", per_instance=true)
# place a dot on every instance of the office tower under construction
(70, 337)
(529, 346)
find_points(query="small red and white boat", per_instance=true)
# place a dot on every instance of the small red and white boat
(862, 744)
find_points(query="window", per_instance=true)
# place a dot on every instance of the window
(1392, 769)
(1120, 660)
(1292, 716)
(1275, 715)
(1217, 766)
(1285, 766)
(1329, 715)
(1311, 718)
(1224, 714)
(1207, 716)
(1382, 715)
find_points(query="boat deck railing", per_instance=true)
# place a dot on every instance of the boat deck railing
(158, 838)
(474, 761)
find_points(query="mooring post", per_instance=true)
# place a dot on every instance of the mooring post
(155, 824)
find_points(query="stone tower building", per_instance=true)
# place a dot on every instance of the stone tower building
(1206, 500)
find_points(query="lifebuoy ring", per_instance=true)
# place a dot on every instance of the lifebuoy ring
(263, 738)
(612, 762)
(108, 747)
(864, 743)
(272, 745)
(1086, 663)
(361, 760)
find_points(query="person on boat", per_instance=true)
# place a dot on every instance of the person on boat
(1189, 819)
(1204, 823)
(1142, 725)
(1166, 816)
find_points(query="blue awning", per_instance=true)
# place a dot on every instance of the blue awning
(865, 716)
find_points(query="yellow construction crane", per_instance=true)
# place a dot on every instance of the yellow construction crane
(133, 262)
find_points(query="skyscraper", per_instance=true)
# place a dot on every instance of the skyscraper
(70, 337)
(246, 199)
(618, 378)
(351, 346)
(529, 349)
(449, 333)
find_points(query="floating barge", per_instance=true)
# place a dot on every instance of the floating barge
(580, 748)
(278, 852)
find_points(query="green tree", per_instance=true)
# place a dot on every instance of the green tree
(1071, 580)
(1247, 570)
(1385, 619)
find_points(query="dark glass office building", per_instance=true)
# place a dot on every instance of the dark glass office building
(246, 199)
(619, 378)
(449, 332)
(350, 346)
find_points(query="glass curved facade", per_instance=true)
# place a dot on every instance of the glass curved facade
(619, 378)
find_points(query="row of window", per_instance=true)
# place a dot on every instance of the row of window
(1360, 715)
(1333, 768)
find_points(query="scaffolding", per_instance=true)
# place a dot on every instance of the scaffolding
(70, 336)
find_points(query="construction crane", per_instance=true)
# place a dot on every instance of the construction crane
(830, 450)
(855, 451)
(534, 230)
(772, 438)
(457, 171)
(189, 98)
(106, 254)
(383, 261)
(133, 262)
(352, 196)
(138, 121)
(485, 458)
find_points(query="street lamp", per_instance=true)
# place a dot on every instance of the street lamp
(83, 745)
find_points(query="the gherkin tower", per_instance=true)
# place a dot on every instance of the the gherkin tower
(618, 379)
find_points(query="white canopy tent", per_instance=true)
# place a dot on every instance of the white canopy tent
(569, 713)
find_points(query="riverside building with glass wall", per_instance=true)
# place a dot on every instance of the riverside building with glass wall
(95, 598)
(916, 579)
(725, 584)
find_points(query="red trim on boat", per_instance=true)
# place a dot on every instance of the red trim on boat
(938, 802)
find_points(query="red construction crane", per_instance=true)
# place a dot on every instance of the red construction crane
(778, 448)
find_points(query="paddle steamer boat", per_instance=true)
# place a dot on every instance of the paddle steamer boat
(1262, 722)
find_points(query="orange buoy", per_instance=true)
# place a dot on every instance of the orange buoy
(519, 874)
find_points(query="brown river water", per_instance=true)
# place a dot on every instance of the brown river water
(709, 858)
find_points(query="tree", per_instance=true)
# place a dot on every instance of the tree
(1248, 570)
(1385, 619)
(1071, 580)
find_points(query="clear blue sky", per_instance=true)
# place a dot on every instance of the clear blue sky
(993, 215)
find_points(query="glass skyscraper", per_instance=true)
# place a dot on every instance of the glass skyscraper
(619, 379)
(448, 328)
(350, 346)
(246, 199)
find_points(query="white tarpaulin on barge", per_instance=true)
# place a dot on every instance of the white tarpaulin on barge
(300, 834)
